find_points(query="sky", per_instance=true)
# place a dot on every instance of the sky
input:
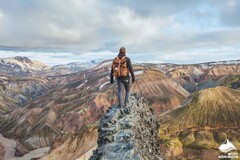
(60, 31)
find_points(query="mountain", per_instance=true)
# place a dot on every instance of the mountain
(232, 81)
(64, 70)
(72, 67)
(188, 76)
(212, 64)
(80, 100)
(66, 107)
(217, 111)
(77, 146)
(17, 91)
(21, 66)
(76, 66)
(195, 77)
(163, 93)
(25, 67)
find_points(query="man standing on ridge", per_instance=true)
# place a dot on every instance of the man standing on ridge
(121, 67)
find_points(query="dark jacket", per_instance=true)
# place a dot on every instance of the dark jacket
(129, 65)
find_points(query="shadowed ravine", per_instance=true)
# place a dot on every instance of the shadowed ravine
(129, 136)
(10, 149)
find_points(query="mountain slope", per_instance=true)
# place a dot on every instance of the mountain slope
(76, 66)
(17, 91)
(187, 76)
(204, 123)
(195, 77)
(25, 67)
(216, 74)
(163, 93)
(74, 145)
(214, 107)
(232, 81)
(66, 69)
(21, 66)
(80, 100)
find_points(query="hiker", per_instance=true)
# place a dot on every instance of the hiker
(121, 67)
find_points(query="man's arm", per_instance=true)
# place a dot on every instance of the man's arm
(111, 76)
(131, 70)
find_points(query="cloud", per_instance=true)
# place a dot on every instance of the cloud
(50, 24)
(229, 13)
(135, 31)
(156, 28)
(1, 15)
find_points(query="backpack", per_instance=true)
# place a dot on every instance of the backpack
(119, 67)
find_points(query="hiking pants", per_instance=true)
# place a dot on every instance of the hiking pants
(126, 84)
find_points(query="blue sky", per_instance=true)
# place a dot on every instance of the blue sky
(185, 31)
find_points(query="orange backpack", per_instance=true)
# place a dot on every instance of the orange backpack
(119, 67)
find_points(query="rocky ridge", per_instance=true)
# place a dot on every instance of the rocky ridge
(129, 135)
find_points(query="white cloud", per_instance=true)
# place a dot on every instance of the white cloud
(71, 24)
(1, 15)
(156, 28)
(139, 33)
(133, 28)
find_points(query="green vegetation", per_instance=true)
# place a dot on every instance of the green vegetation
(205, 123)
(232, 81)
(208, 108)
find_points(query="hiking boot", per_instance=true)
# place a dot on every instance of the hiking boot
(119, 106)
(126, 110)
(123, 110)
(126, 104)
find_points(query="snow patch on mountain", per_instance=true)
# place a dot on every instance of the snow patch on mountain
(23, 63)
(211, 64)
(77, 66)
(102, 85)
(104, 64)
(138, 72)
(3, 77)
(82, 84)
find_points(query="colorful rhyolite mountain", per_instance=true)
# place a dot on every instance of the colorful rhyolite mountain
(63, 111)
(196, 130)
(23, 66)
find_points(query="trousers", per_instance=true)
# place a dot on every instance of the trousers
(125, 83)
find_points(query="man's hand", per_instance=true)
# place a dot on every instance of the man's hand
(133, 80)
(111, 81)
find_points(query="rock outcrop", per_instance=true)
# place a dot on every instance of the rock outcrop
(130, 135)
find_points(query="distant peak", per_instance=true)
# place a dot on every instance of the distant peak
(214, 94)
(21, 58)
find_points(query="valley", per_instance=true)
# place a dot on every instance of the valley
(61, 107)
